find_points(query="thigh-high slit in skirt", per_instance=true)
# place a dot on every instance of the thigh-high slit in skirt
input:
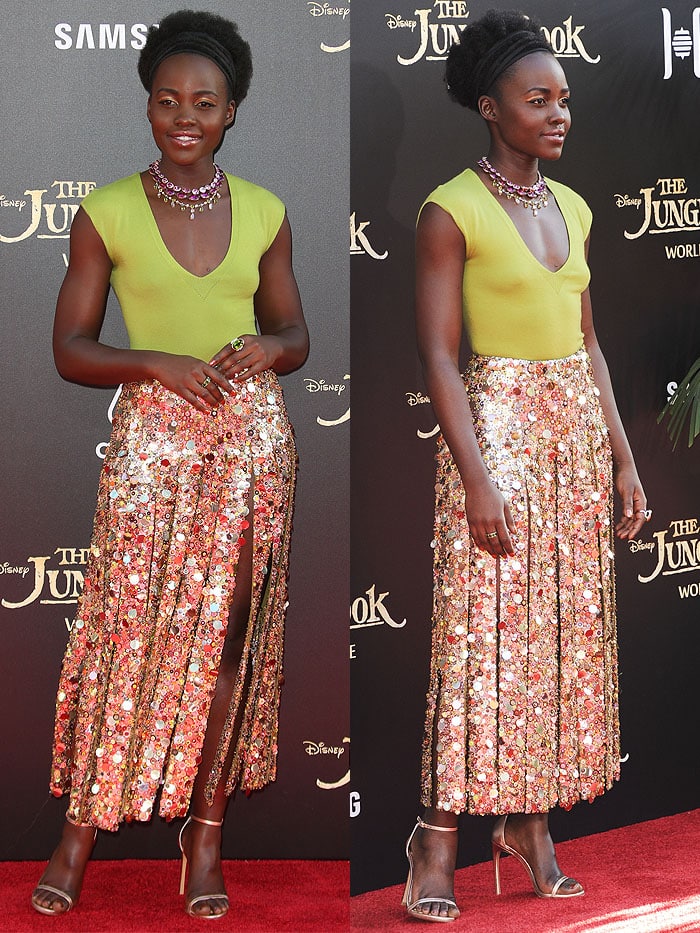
(139, 673)
(522, 710)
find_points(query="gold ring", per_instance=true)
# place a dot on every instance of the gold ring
(491, 534)
(205, 383)
(237, 344)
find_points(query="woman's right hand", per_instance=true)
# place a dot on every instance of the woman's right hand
(488, 512)
(440, 255)
(200, 384)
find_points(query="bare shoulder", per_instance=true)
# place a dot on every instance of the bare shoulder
(437, 234)
(86, 245)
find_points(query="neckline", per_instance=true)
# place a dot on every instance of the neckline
(511, 225)
(155, 229)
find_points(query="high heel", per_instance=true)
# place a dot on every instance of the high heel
(500, 846)
(408, 901)
(223, 898)
(43, 888)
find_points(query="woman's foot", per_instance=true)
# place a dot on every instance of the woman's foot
(528, 835)
(206, 894)
(59, 887)
(433, 859)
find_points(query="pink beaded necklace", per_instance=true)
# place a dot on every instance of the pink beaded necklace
(187, 199)
(534, 196)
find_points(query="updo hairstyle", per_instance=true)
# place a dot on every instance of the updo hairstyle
(199, 33)
(487, 49)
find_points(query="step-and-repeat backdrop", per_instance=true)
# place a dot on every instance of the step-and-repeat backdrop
(634, 154)
(74, 116)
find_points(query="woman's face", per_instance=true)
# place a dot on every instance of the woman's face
(189, 108)
(530, 110)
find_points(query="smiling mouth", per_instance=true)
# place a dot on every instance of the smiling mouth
(184, 138)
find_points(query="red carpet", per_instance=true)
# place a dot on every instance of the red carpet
(640, 879)
(141, 896)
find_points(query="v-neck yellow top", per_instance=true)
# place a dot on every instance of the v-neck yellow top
(512, 305)
(165, 307)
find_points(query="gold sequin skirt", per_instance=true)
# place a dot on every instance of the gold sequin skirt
(522, 710)
(143, 656)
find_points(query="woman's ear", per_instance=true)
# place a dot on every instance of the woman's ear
(487, 107)
(231, 113)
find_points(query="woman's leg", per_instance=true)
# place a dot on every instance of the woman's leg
(528, 834)
(434, 857)
(202, 843)
(66, 868)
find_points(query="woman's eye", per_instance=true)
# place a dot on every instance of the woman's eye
(166, 102)
(206, 103)
(565, 101)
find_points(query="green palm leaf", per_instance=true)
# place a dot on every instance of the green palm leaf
(685, 403)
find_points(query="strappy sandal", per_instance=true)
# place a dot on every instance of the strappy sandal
(408, 901)
(43, 888)
(500, 846)
(222, 898)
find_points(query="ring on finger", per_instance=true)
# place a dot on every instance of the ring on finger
(491, 534)
(205, 382)
(237, 344)
(645, 514)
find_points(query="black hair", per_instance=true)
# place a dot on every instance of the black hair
(487, 49)
(201, 33)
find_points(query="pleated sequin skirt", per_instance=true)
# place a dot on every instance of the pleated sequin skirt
(177, 492)
(522, 710)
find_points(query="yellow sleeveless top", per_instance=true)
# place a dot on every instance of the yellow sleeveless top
(512, 305)
(165, 307)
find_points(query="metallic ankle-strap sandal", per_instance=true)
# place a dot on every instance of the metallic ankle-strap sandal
(408, 902)
(501, 847)
(190, 904)
(43, 888)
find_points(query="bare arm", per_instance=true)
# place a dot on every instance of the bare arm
(79, 355)
(283, 343)
(627, 481)
(80, 312)
(440, 257)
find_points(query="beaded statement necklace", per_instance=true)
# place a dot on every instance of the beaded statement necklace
(187, 199)
(536, 196)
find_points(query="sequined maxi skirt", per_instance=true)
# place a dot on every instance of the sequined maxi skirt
(141, 665)
(522, 705)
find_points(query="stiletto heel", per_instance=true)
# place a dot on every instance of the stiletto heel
(500, 846)
(496, 866)
(408, 901)
(183, 863)
(42, 887)
(223, 898)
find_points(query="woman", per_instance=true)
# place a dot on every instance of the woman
(170, 683)
(522, 705)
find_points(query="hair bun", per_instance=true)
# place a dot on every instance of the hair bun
(201, 33)
(487, 48)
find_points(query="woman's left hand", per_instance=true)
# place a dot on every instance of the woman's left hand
(634, 503)
(255, 354)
